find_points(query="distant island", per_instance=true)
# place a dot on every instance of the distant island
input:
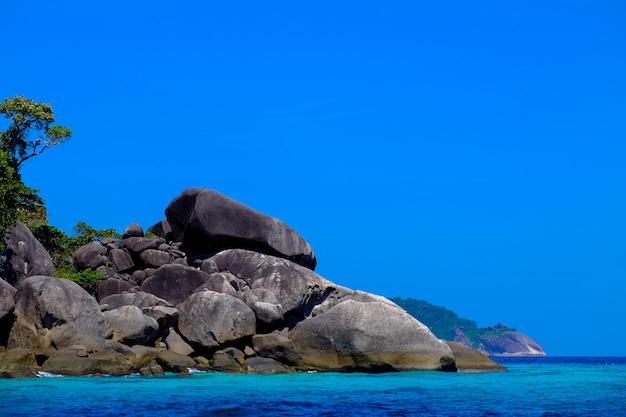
(498, 340)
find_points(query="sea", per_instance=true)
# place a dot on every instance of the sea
(550, 386)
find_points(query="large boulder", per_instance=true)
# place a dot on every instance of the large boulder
(7, 305)
(371, 337)
(92, 255)
(7, 299)
(129, 325)
(174, 282)
(139, 298)
(112, 286)
(276, 346)
(121, 261)
(53, 313)
(207, 221)
(264, 304)
(297, 289)
(210, 319)
(25, 256)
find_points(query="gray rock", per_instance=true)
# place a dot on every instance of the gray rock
(276, 346)
(7, 299)
(162, 229)
(25, 256)
(144, 355)
(154, 258)
(133, 230)
(209, 266)
(219, 282)
(108, 272)
(209, 319)
(357, 336)
(258, 365)
(166, 316)
(175, 362)
(53, 313)
(265, 305)
(174, 283)
(106, 362)
(340, 294)
(138, 276)
(228, 360)
(207, 221)
(152, 368)
(140, 299)
(120, 261)
(297, 289)
(112, 286)
(136, 245)
(128, 325)
(92, 255)
(175, 343)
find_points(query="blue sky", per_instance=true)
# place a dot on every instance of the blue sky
(467, 153)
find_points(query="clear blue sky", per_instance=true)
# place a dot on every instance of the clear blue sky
(469, 153)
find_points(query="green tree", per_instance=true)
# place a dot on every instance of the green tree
(29, 133)
(83, 234)
(17, 201)
(31, 130)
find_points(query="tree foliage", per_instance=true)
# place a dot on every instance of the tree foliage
(17, 201)
(31, 130)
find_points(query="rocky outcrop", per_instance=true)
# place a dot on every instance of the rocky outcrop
(235, 292)
(501, 341)
(23, 256)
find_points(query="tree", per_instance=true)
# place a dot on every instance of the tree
(17, 201)
(29, 118)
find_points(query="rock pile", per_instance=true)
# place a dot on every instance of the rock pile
(215, 286)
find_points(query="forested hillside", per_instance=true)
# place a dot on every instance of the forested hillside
(442, 322)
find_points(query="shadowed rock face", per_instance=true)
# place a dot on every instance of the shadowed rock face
(207, 221)
(25, 256)
(52, 313)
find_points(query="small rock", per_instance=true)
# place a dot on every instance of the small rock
(133, 230)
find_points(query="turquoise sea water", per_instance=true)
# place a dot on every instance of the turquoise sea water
(532, 387)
